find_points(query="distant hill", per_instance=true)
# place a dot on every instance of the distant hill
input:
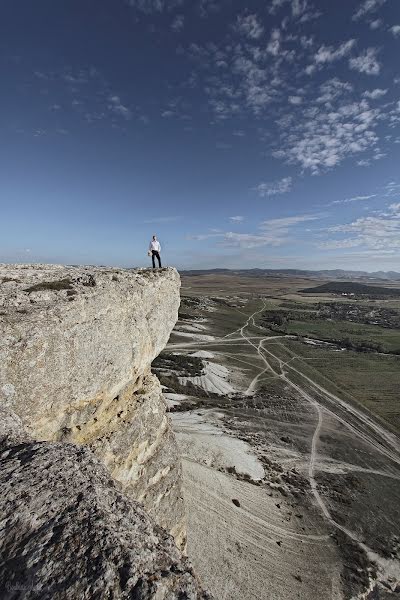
(349, 287)
(322, 274)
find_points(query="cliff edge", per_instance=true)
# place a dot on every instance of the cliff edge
(67, 532)
(76, 345)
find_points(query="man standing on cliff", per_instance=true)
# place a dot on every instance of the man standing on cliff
(154, 251)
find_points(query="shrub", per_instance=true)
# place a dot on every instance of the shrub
(62, 284)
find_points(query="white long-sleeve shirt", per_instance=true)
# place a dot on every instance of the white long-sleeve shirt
(155, 245)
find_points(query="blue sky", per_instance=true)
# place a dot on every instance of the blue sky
(244, 134)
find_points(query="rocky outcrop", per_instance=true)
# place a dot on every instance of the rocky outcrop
(76, 346)
(67, 532)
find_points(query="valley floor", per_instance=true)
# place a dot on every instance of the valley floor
(292, 486)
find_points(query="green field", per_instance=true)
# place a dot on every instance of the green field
(339, 330)
(371, 380)
(368, 378)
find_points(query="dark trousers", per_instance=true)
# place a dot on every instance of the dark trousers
(154, 254)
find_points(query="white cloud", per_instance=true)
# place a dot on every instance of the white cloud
(41, 75)
(310, 69)
(392, 189)
(274, 188)
(274, 45)
(272, 232)
(301, 10)
(154, 6)
(367, 7)
(354, 199)
(333, 89)
(249, 240)
(283, 224)
(276, 5)
(178, 23)
(327, 54)
(326, 134)
(375, 94)
(118, 108)
(366, 63)
(376, 232)
(250, 26)
(237, 219)
(208, 7)
(376, 23)
(319, 126)
(395, 30)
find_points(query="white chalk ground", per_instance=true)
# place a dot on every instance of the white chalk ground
(198, 337)
(202, 354)
(234, 549)
(174, 399)
(202, 441)
(214, 379)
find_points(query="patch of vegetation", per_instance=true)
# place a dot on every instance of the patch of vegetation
(61, 284)
(356, 289)
(358, 313)
(353, 336)
(357, 569)
(221, 301)
(186, 366)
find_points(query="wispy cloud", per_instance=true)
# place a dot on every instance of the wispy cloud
(328, 54)
(249, 26)
(366, 62)
(249, 240)
(237, 219)
(272, 232)
(395, 30)
(273, 188)
(392, 189)
(328, 130)
(178, 23)
(354, 199)
(301, 10)
(154, 6)
(367, 7)
(116, 106)
(375, 94)
(208, 7)
(378, 232)
(283, 224)
(375, 24)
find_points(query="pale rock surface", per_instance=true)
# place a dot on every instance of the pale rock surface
(75, 367)
(67, 532)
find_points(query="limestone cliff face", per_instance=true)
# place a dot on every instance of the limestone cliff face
(76, 346)
(67, 532)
